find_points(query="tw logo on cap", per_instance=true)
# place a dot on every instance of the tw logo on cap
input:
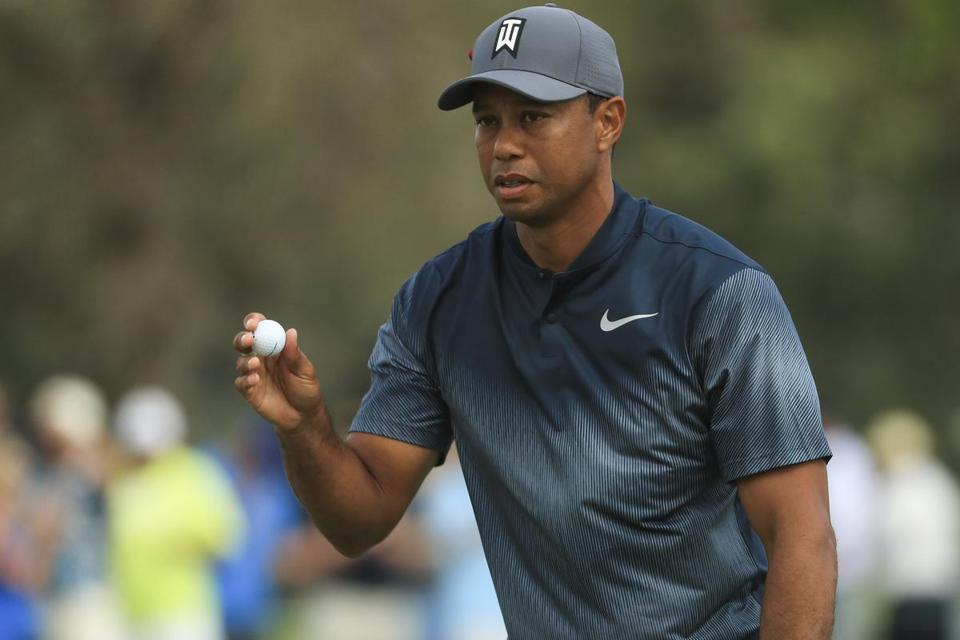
(509, 36)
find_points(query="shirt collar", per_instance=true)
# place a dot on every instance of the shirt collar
(619, 223)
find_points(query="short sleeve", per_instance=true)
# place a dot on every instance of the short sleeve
(763, 407)
(404, 401)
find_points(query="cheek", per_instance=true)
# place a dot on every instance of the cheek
(569, 158)
(484, 153)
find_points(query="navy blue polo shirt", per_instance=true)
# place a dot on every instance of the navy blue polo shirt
(602, 415)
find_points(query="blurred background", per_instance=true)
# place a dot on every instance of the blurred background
(169, 166)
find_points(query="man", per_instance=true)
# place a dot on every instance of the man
(628, 394)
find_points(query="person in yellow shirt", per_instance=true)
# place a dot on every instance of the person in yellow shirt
(172, 514)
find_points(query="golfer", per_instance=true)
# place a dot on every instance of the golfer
(637, 422)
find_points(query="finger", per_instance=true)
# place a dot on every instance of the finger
(246, 383)
(291, 349)
(240, 384)
(248, 364)
(243, 342)
(251, 320)
(296, 361)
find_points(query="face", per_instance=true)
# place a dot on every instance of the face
(536, 158)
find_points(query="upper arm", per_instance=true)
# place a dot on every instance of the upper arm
(788, 503)
(404, 402)
(402, 428)
(763, 407)
(398, 467)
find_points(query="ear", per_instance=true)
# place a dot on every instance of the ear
(608, 120)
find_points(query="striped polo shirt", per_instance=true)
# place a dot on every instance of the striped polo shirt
(602, 415)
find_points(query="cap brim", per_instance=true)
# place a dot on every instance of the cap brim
(535, 86)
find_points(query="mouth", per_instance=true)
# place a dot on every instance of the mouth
(510, 185)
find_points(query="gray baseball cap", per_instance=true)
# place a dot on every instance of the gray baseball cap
(545, 53)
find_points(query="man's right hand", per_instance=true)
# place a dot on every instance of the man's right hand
(355, 489)
(282, 389)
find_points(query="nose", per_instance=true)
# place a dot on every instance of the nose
(508, 144)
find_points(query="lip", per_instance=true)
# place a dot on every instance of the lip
(511, 185)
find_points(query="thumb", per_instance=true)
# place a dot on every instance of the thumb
(293, 357)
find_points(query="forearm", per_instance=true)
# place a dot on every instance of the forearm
(800, 592)
(338, 491)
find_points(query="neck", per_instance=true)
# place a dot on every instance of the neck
(556, 245)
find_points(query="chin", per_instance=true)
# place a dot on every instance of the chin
(525, 213)
(518, 211)
(530, 212)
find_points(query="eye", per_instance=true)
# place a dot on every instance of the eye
(485, 121)
(532, 116)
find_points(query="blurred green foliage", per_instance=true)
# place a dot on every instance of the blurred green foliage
(169, 166)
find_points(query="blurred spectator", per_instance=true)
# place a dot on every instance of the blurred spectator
(20, 574)
(853, 509)
(67, 515)
(462, 604)
(246, 579)
(19, 578)
(172, 514)
(376, 596)
(919, 525)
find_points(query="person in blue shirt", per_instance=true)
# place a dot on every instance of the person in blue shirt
(637, 423)
(246, 582)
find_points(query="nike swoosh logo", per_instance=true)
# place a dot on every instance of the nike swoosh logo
(609, 325)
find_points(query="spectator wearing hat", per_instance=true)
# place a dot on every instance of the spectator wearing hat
(919, 518)
(172, 515)
(70, 414)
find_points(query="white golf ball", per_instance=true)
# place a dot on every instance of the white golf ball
(268, 338)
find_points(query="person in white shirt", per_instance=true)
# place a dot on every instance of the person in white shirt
(919, 520)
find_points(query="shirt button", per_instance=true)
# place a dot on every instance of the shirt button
(542, 274)
(551, 317)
